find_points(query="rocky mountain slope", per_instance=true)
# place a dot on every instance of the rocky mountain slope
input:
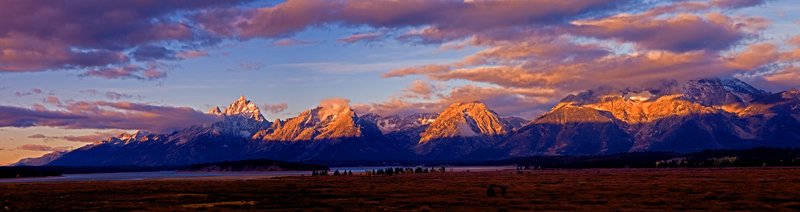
(461, 129)
(671, 116)
(321, 123)
(693, 116)
(40, 161)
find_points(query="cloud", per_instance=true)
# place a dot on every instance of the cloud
(106, 115)
(97, 35)
(420, 89)
(292, 16)
(426, 69)
(526, 50)
(192, 54)
(754, 56)
(275, 108)
(364, 37)
(149, 72)
(28, 93)
(110, 95)
(248, 66)
(38, 136)
(525, 102)
(781, 79)
(90, 138)
(331, 106)
(399, 106)
(735, 4)
(117, 96)
(795, 40)
(681, 33)
(681, 40)
(53, 100)
(42, 148)
(291, 42)
(151, 52)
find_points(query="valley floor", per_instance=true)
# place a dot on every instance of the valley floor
(584, 189)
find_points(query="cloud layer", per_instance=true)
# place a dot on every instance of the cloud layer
(531, 53)
(102, 38)
(106, 115)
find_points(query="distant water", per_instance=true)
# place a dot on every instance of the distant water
(163, 175)
(156, 176)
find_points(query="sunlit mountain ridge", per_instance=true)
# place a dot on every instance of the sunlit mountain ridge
(676, 117)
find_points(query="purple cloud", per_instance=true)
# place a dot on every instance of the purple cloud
(28, 93)
(106, 115)
(95, 34)
(90, 138)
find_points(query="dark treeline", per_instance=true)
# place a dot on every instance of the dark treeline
(246, 165)
(755, 157)
(49, 171)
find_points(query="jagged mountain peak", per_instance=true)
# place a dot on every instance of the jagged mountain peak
(721, 92)
(241, 107)
(471, 119)
(136, 136)
(329, 121)
(397, 122)
(215, 111)
(709, 92)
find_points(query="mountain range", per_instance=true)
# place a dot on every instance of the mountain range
(671, 116)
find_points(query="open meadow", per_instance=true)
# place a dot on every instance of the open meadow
(579, 189)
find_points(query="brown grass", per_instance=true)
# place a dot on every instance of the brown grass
(588, 189)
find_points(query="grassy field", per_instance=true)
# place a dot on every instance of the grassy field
(585, 189)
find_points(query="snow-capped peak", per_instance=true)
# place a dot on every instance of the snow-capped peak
(242, 107)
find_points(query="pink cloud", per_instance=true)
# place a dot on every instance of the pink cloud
(420, 89)
(53, 100)
(275, 108)
(290, 42)
(795, 40)
(363, 37)
(754, 56)
(417, 70)
(192, 54)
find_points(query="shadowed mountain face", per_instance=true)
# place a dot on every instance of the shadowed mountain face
(570, 130)
(672, 116)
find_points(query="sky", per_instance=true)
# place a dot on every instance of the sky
(75, 72)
